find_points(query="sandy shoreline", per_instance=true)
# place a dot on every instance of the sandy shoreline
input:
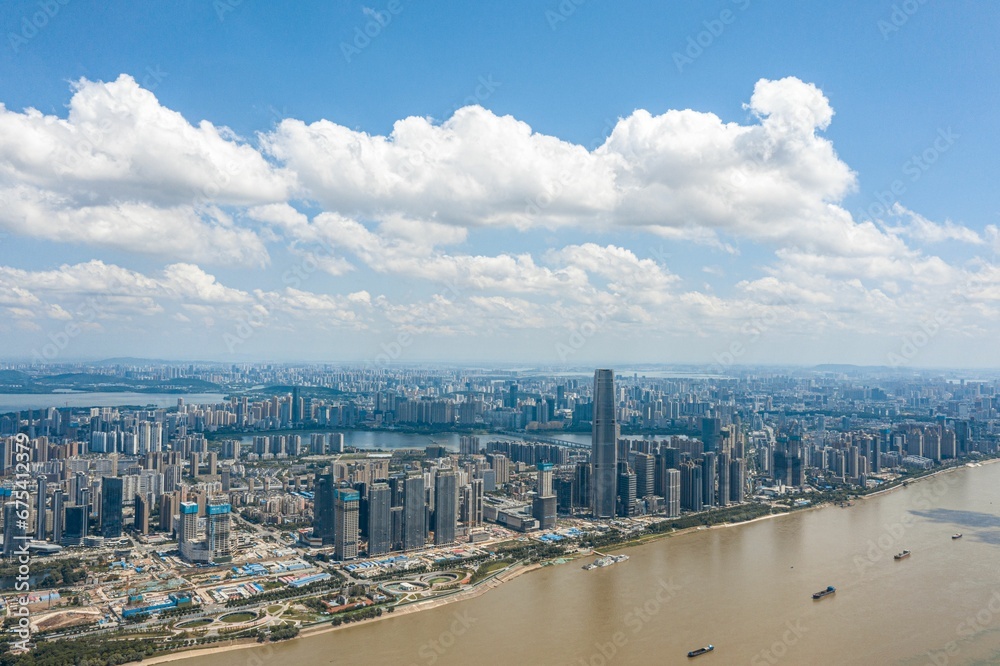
(506, 576)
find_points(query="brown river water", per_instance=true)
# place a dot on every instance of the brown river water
(745, 589)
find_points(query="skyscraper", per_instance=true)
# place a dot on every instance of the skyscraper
(544, 505)
(672, 493)
(709, 470)
(604, 454)
(737, 480)
(58, 519)
(168, 506)
(141, 515)
(40, 522)
(76, 526)
(111, 507)
(345, 519)
(711, 432)
(218, 529)
(379, 519)
(187, 530)
(582, 498)
(323, 509)
(474, 503)
(626, 490)
(414, 535)
(644, 475)
(445, 507)
(724, 480)
(691, 486)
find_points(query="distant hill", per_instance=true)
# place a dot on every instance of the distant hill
(12, 381)
(304, 391)
(14, 377)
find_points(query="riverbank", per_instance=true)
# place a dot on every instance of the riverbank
(494, 581)
(946, 470)
(507, 575)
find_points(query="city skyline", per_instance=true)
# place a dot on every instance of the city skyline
(400, 332)
(311, 496)
(727, 200)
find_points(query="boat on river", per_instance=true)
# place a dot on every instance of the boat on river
(824, 593)
(700, 651)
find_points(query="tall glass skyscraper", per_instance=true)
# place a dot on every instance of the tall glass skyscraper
(445, 507)
(379, 519)
(604, 450)
(414, 510)
(111, 507)
(323, 510)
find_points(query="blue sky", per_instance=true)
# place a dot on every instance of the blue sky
(677, 267)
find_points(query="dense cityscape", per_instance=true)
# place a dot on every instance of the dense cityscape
(560, 333)
(160, 521)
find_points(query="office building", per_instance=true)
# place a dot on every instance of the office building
(141, 515)
(604, 452)
(445, 507)
(77, 522)
(58, 516)
(645, 473)
(111, 507)
(379, 528)
(41, 524)
(323, 508)
(414, 510)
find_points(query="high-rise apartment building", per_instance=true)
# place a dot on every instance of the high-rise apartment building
(345, 519)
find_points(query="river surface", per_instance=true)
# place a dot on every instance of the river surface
(746, 589)
(390, 440)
